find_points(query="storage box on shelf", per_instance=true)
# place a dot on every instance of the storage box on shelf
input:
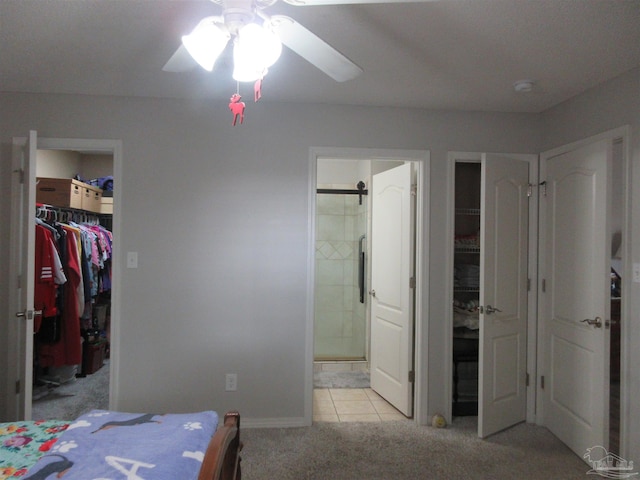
(106, 205)
(59, 192)
(91, 198)
(68, 193)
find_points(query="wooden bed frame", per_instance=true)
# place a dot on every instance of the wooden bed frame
(222, 458)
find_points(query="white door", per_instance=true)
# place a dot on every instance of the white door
(575, 302)
(22, 254)
(392, 295)
(503, 294)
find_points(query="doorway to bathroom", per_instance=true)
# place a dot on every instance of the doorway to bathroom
(341, 271)
(344, 295)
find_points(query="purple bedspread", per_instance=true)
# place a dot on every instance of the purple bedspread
(105, 445)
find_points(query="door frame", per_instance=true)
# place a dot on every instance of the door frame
(618, 134)
(532, 304)
(421, 158)
(113, 147)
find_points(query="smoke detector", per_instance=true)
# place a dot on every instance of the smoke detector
(523, 86)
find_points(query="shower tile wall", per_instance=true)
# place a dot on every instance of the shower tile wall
(340, 330)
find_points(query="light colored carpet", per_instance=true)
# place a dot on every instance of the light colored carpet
(72, 399)
(355, 379)
(403, 451)
(368, 451)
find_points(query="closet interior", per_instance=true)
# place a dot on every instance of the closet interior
(73, 250)
(466, 288)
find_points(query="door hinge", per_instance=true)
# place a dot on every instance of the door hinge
(412, 282)
(21, 173)
(542, 382)
(528, 284)
(414, 189)
(531, 186)
(412, 376)
(527, 380)
(18, 385)
(19, 281)
(544, 285)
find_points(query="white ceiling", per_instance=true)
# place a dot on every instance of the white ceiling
(447, 54)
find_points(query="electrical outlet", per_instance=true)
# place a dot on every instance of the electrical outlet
(231, 382)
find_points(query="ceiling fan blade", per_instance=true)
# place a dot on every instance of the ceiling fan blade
(313, 49)
(303, 3)
(180, 61)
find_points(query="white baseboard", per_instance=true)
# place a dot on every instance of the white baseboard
(286, 422)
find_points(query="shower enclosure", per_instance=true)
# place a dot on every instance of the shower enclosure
(340, 321)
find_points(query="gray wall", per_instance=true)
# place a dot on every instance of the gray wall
(219, 216)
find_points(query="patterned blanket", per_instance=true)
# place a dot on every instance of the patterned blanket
(23, 443)
(115, 445)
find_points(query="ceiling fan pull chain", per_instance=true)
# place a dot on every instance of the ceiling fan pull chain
(257, 90)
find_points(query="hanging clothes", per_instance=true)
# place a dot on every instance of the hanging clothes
(47, 275)
(72, 267)
(67, 351)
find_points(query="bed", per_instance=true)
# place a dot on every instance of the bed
(110, 445)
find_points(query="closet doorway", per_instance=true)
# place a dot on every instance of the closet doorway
(22, 248)
(492, 253)
(342, 217)
(69, 380)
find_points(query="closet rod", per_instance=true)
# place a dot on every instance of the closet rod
(62, 214)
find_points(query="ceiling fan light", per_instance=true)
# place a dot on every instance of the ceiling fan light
(264, 42)
(206, 42)
(241, 75)
(245, 68)
(255, 50)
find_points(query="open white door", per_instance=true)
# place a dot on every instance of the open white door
(503, 289)
(392, 294)
(575, 304)
(22, 254)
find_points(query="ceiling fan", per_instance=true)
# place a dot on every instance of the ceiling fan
(258, 37)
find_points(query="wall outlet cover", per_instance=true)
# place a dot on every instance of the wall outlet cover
(231, 382)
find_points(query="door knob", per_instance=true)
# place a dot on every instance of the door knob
(596, 322)
(29, 314)
(489, 310)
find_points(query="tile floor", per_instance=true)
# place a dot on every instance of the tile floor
(352, 405)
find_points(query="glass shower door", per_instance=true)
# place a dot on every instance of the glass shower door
(340, 322)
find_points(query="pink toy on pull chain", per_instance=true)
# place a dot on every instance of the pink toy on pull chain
(237, 108)
(257, 90)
